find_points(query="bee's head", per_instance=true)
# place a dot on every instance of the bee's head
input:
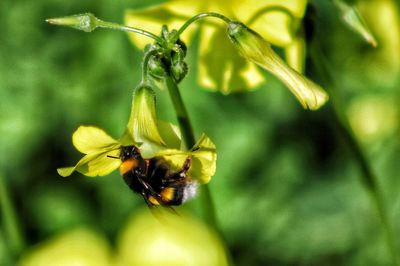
(129, 152)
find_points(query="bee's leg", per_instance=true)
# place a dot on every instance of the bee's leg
(187, 164)
(146, 199)
(151, 192)
(172, 178)
(146, 185)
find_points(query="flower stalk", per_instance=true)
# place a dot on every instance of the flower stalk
(181, 112)
(201, 16)
(87, 22)
(189, 140)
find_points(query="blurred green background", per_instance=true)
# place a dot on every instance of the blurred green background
(287, 191)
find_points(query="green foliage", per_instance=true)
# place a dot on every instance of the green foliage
(287, 190)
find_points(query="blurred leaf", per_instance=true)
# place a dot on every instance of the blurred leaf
(63, 206)
(354, 20)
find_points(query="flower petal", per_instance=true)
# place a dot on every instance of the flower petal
(89, 139)
(204, 159)
(95, 164)
(253, 47)
(295, 54)
(172, 13)
(170, 134)
(226, 72)
(143, 124)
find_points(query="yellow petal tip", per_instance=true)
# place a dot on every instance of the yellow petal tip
(65, 171)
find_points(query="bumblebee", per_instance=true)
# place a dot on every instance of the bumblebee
(154, 180)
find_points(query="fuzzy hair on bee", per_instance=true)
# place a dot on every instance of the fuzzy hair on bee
(155, 180)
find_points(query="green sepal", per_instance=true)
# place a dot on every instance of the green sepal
(156, 67)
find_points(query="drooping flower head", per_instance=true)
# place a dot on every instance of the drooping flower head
(153, 138)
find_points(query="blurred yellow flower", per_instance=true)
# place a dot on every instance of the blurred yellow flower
(373, 117)
(220, 67)
(168, 239)
(75, 247)
(382, 65)
(153, 138)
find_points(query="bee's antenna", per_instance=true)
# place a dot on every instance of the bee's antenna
(113, 157)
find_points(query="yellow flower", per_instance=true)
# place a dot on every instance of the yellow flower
(220, 67)
(153, 138)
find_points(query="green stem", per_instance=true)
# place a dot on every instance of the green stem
(368, 177)
(200, 16)
(181, 113)
(189, 140)
(88, 22)
(116, 26)
(9, 221)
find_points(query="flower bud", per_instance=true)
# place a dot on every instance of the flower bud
(86, 22)
(179, 70)
(156, 68)
(253, 47)
(179, 67)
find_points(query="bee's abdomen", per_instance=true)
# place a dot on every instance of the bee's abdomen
(172, 195)
(179, 194)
